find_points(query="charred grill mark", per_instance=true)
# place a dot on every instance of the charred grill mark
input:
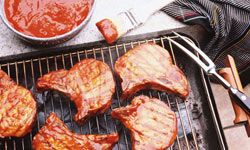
(151, 140)
(154, 111)
(14, 106)
(156, 58)
(144, 118)
(153, 128)
(89, 84)
(105, 80)
(137, 72)
(159, 115)
(18, 108)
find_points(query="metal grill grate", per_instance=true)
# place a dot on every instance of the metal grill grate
(26, 73)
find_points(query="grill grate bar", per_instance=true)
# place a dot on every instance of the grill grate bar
(117, 94)
(168, 100)
(96, 118)
(105, 117)
(52, 98)
(98, 124)
(189, 119)
(41, 73)
(69, 105)
(115, 127)
(26, 86)
(79, 59)
(118, 98)
(4, 140)
(90, 130)
(171, 51)
(14, 141)
(178, 141)
(178, 107)
(33, 82)
(124, 50)
(191, 127)
(60, 100)
(182, 125)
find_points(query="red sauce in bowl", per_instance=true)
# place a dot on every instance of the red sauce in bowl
(46, 18)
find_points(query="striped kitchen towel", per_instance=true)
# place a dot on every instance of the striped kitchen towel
(229, 23)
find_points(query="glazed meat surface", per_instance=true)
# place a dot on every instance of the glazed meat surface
(55, 135)
(17, 108)
(153, 126)
(149, 66)
(89, 84)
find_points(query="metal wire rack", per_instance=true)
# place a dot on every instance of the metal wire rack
(27, 71)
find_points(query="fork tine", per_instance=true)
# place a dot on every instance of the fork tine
(190, 54)
(206, 58)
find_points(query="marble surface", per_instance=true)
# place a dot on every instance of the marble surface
(10, 44)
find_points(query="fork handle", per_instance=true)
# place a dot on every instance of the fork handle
(241, 99)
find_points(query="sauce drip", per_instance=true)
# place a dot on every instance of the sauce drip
(46, 18)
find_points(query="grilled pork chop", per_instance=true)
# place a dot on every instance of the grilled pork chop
(17, 108)
(150, 66)
(153, 126)
(55, 135)
(89, 84)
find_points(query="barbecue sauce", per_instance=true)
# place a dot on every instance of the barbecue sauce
(108, 30)
(46, 18)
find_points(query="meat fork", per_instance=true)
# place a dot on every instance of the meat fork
(210, 69)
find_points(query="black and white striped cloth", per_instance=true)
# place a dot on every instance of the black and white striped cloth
(227, 20)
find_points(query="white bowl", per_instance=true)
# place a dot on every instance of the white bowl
(46, 41)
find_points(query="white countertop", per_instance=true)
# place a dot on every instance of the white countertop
(10, 44)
